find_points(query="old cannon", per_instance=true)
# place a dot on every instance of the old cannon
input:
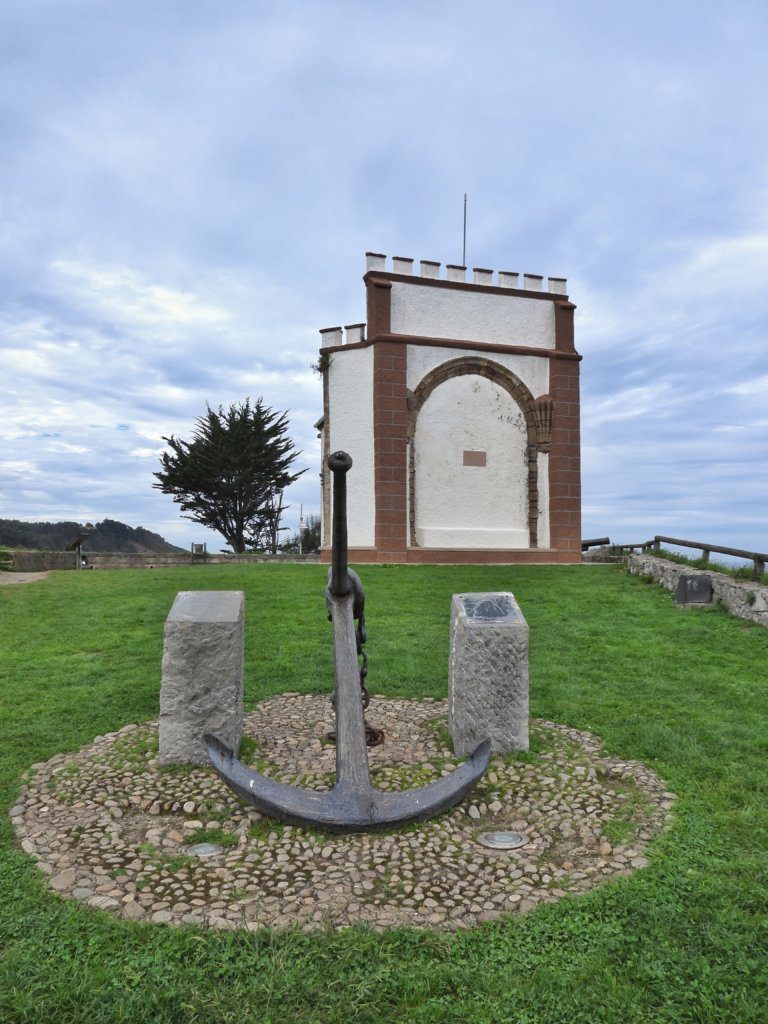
(353, 805)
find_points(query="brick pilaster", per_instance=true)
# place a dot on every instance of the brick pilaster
(390, 437)
(565, 459)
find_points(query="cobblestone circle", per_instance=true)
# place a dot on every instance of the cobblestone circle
(111, 827)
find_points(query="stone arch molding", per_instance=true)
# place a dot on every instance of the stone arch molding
(537, 412)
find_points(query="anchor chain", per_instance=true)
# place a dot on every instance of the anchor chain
(363, 668)
(373, 736)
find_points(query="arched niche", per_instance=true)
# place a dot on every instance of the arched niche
(475, 431)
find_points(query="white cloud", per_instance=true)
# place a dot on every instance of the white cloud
(144, 453)
(758, 387)
(122, 295)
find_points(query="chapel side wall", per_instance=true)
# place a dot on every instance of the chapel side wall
(350, 397)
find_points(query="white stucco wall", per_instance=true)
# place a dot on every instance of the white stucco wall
(471, 506)
(350, 393)
(426, 311)
(533, 371)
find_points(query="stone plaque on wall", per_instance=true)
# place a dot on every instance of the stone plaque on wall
(474, 458)
(694, 590)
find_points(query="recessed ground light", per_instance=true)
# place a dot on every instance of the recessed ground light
(502, 840)
(204, 849)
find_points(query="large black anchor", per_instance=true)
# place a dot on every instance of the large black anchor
(353, 805)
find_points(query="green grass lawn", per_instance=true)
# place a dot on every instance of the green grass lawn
(685, 691)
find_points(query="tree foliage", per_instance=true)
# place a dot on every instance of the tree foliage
(231, 475)
(108, 535)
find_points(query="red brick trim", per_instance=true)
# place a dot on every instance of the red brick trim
(390, 423)
(473, 346)
(378, 298)
(565, 459)
(383, 276)
(390, 438)
(489, 556)
(460, 556)
(564, 327)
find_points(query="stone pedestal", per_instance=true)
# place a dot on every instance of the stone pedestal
(202, 687)
(488, 673)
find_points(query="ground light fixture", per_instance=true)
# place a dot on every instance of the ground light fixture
(204, 849)
(502, 840)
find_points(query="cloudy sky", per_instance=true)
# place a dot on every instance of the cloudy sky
(189, 188)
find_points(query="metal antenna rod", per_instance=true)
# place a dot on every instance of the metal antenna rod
(464, 246)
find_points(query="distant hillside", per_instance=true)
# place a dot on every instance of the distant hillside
(108, 535)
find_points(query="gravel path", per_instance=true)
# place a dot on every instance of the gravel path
(112, 828)
(6, 578)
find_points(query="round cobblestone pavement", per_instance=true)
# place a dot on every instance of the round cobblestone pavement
(111, 827)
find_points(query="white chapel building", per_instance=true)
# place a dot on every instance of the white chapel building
(459, 403)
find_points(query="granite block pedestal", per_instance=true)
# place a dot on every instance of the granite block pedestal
(488, 673)
(202, 687)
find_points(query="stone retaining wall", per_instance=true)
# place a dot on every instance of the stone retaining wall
(602, 555)
(40, 561)
(744, 599)
(124, 560)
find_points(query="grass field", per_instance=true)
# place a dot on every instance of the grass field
(685, 691)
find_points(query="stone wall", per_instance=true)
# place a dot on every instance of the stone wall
(122, 560)
(40, 561)
(744, 599)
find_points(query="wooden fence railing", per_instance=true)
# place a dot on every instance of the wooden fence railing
(758, 558)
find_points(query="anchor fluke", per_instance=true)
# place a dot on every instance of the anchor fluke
(345, 809)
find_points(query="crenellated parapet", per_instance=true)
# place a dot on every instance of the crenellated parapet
(457, 274)
(352, 334)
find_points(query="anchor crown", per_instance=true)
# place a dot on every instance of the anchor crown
(340, 462)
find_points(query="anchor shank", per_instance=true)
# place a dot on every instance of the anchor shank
(352, 772)
(339, 463)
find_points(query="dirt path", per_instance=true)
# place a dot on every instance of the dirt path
(21, 577)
